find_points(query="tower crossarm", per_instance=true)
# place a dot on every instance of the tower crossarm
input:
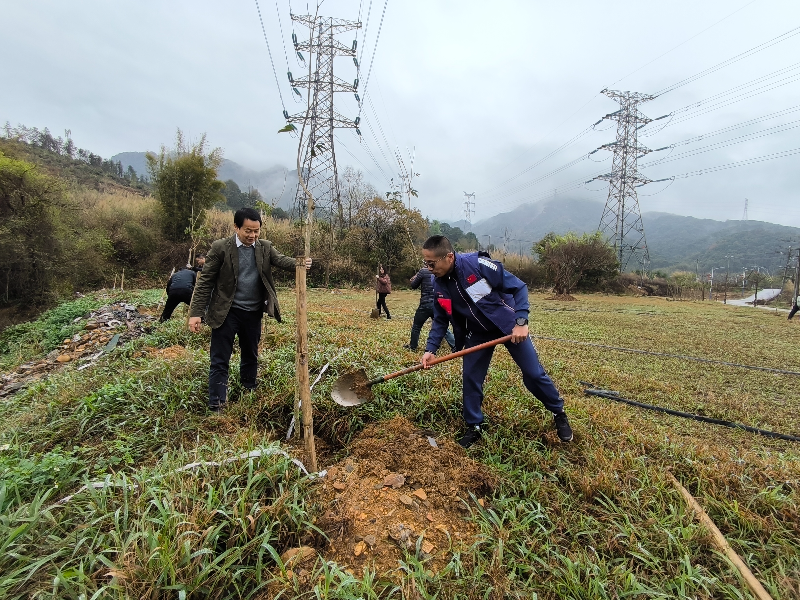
(338, 84)
(335, 48)
(338, 25)
(622, 97)
(337, 121)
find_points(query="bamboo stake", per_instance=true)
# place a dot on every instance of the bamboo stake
(721, 543)
(115, 282)
(303, 400)
(122, 281)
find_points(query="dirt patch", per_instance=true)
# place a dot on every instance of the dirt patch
(562, 298)
(169, 353)
(104, 330)
(400, 487)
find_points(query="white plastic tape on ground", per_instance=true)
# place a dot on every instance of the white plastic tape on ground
(258, 452)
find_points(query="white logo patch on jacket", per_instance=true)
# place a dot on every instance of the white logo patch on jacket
(479, 289)
(487, 263)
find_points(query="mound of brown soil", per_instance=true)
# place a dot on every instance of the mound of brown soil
(562, 297)
(400, 487)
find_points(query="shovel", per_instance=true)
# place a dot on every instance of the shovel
(354, 389)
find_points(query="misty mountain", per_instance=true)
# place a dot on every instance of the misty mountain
(276, 184)
(675, 242)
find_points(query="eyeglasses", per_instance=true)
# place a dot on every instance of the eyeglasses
(432, 263)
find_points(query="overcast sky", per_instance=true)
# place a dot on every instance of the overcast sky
(482, 90)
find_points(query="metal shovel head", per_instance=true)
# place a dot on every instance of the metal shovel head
(352, 389)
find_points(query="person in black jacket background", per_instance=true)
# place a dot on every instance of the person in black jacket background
(424, 281)
(180, 287)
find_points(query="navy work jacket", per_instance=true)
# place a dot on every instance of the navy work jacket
(424, 280)
(483, 285)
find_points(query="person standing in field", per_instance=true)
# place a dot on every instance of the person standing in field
(180, 287)
(424, 281)
(234, 291)
(484, 302)
(383, 285)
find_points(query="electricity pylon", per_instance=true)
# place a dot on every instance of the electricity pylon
(319, 157)
(469, 208)
(622, 220)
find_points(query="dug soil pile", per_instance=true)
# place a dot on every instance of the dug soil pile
(399, 487)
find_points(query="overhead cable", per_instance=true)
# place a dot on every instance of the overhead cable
(274, 72)
(681, 44)
(342, 144)
(754, 50)
(540, 161)
(725, 143)
(740, 163)
(374, 50)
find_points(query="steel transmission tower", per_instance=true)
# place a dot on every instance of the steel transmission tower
(622, 219)
(319, 156)
(469, 208)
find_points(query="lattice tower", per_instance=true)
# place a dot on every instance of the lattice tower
(318, 152)
(622, 220)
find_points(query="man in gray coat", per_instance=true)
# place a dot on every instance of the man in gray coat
(233, 292)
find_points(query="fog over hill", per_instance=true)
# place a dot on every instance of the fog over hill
(277, 184)
(675, 242)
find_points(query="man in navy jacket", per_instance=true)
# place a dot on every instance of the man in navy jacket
(484, 302)
(424, 280)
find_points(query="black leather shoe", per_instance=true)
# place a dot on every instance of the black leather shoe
(562, 427)
(471, 435)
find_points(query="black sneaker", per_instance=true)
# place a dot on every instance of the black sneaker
(408, 347)
(471, 435)
(562, 427)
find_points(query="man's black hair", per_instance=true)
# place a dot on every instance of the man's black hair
(440, 245)
(246, 213)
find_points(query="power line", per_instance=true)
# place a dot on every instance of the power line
(374, 50)
(670, 158)
(378, 144)
(730, 128)
(740, 163)
(724, 144)
(754, 50)
(368, 98)
(274, 72)
(540, 161)
(283, 39)
(342, 144)
(681, 44)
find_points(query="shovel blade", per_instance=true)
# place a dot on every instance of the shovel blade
(351, 389)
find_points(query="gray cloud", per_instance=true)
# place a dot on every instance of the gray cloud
(481, 90)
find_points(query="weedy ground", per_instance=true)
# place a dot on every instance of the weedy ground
(597, 518)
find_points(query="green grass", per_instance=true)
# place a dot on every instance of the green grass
(593, 519)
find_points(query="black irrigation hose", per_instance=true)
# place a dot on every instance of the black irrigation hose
(681, 356)
(611, 395)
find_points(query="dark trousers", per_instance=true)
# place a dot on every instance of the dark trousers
(476, 365)
(173, 299)
(382, 302)
(792, 312)
(420, 317)
(247, 325)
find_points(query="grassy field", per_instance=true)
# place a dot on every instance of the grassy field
(597, 518)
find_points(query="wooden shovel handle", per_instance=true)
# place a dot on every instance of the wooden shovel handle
(436, 361)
